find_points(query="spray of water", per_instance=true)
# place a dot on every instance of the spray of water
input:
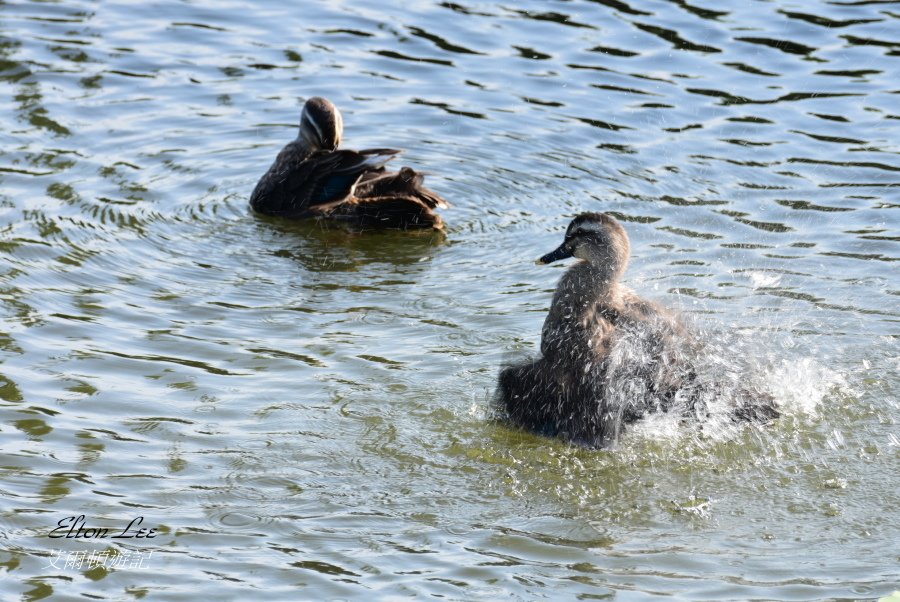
(660, 380)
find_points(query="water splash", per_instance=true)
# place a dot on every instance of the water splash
(764, 279)
(802, 385)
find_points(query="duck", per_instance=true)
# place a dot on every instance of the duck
(608, 357)
(312, 177)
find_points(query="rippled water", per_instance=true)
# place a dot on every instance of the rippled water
(305, 412)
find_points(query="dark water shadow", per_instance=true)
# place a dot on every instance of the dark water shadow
(322, 246)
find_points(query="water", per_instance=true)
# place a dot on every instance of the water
(304, 413)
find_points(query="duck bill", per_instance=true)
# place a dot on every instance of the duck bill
(561, 252)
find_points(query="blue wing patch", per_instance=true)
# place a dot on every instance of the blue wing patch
(334, 188)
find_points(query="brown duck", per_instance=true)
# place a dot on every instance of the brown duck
(311, 177)
(608, 357)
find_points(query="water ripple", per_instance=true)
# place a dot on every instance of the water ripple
(302, 405)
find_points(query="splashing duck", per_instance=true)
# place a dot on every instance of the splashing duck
(608, 357)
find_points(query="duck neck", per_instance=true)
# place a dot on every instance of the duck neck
(586, 284)
(307, 139)
(294, 152)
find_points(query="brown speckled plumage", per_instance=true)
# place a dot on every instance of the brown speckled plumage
(311, 177)
(575, 389)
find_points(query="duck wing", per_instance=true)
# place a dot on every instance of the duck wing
(399, 211)
(310, 185)
(406, 182)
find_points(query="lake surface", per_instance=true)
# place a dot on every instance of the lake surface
(303, 412)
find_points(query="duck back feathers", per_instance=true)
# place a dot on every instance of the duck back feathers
(305, 184)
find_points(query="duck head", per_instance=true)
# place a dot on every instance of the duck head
(321, 124)
(597, 238)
